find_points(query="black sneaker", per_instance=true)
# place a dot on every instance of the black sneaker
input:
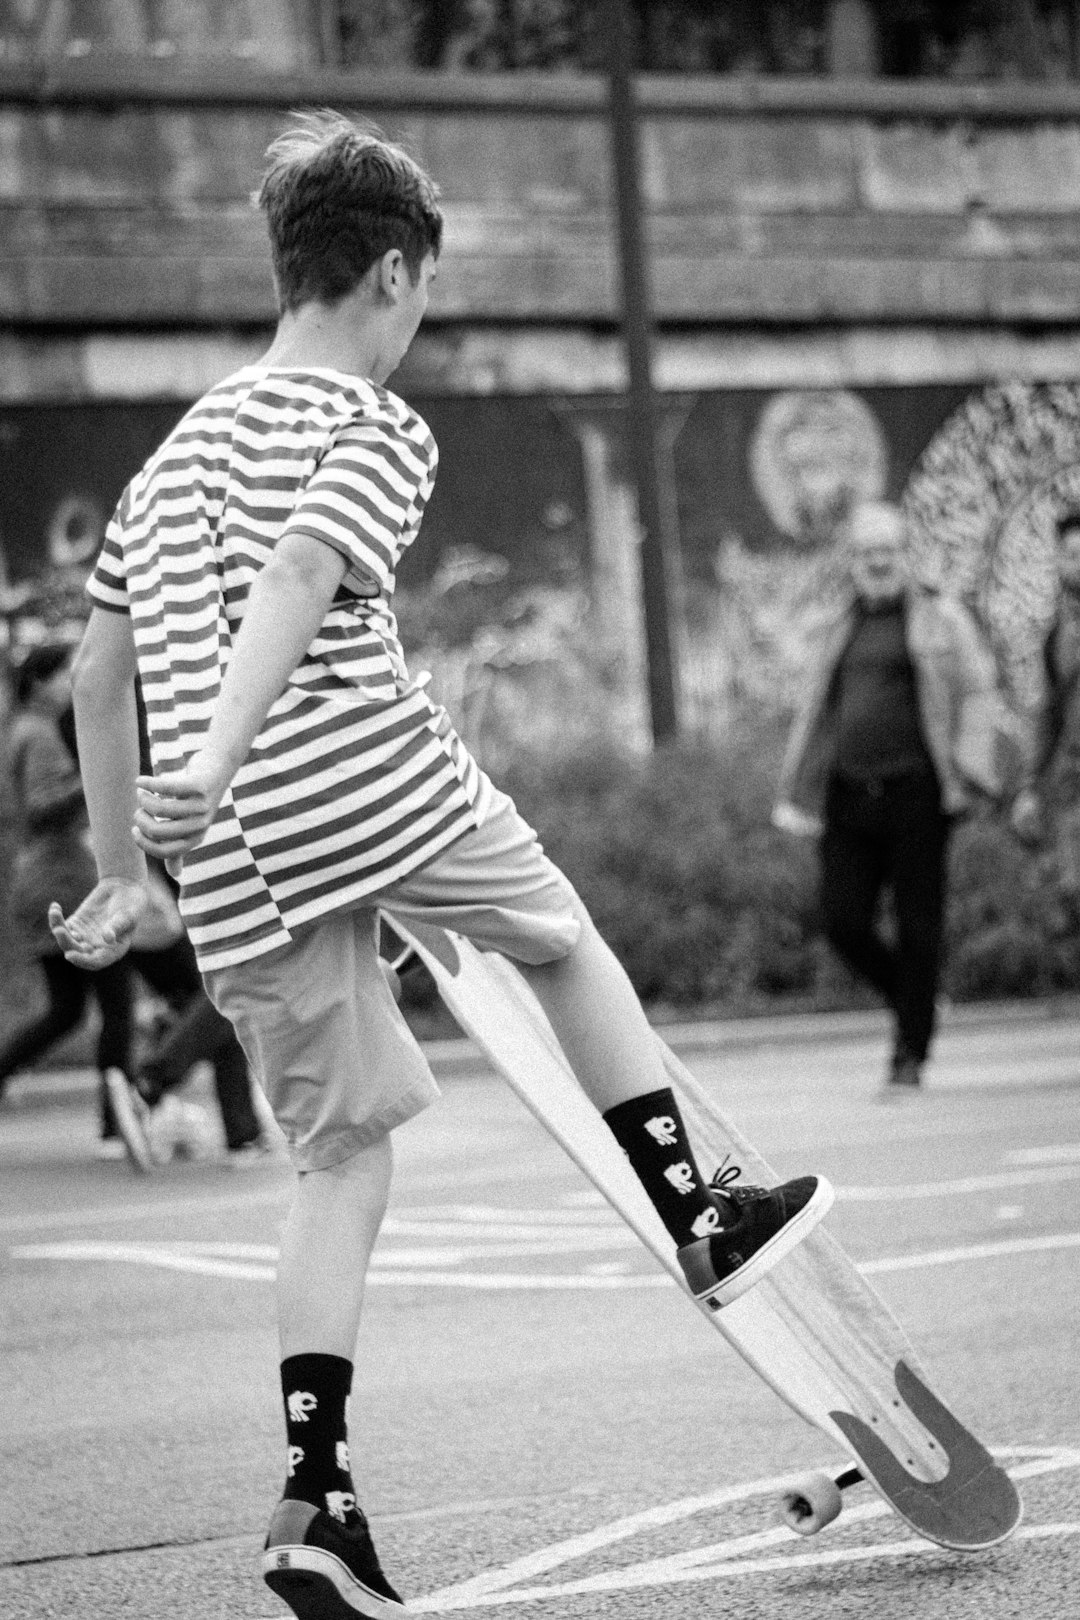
(765, 1223)
(325, 1570)
(130, 1114)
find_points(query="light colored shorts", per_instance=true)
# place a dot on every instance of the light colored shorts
(324, 1037)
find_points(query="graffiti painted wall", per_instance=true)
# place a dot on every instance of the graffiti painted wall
(498, 587)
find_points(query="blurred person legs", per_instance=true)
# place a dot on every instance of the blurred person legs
(889, 835)
(198, 1034)
(68, 990)
(114, 990)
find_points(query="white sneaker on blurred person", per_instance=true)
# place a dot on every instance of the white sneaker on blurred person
(180, 1129)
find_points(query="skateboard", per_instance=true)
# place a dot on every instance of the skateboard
(813, 1328)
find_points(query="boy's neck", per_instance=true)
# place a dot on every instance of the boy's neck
(331, 339)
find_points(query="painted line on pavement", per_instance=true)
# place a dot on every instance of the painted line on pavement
(993, 1181)
(100, 1214)
(1059, 1153)
(644, 1576)
(515, 1582)
(391, 1269)
(509, 1219)
(1000, 1250)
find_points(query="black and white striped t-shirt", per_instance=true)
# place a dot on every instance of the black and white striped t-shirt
(356, 777)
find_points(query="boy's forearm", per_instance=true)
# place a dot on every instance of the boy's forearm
(106, 725)
(284, 613)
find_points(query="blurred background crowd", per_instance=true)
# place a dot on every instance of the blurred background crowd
(862, 230)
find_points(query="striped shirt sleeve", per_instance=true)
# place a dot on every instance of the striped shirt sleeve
(107, 585)
(364, 499)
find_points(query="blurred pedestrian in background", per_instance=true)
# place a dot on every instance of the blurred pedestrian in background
(901, 721)
(155, 1124)
(1047, 809)
(52, 856)
(152, 1118)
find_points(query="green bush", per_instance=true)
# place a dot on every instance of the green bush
(701, 899)
(1011, 930)
(705, 903)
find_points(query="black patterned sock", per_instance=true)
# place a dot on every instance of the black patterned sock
(316, 1391)
(651, 1133)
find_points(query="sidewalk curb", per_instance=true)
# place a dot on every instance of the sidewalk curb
(457, 1058)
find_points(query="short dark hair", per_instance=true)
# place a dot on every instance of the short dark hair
(337, 197)
(39, 664)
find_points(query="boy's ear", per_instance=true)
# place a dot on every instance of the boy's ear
(391, 274)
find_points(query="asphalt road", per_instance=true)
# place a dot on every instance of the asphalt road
(541, 1425)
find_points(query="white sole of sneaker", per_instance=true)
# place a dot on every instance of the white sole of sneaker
(789, 1237)
(318, 1586)
(131, 1128)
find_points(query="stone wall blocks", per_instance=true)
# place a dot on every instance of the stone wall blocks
(514, 156)
(749, 163)
(1030, 169)
(915, 168)
(92, 157)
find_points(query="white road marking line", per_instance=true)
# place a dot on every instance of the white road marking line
(992, 1182)
(585, 1210)
(392, 1274)
(539, 1281)
(638, 1578)
(591, 1541)
(498, 1215)
(1000, 1250)
(145, 1210)
(1062, 1153)
(391, 1270)
(149, 1255)
(717, 1559)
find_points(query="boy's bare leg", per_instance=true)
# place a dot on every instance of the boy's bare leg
(726, 1239)
(325, 1249)
(595, 1012)
(318, 1545)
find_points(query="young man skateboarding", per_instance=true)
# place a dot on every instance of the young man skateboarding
(301, 778)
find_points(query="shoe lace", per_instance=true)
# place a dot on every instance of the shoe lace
(726, 1174)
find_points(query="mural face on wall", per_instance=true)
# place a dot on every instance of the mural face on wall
(812, 453)
(765, 479)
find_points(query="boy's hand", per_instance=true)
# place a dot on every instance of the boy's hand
(175, 809)
(101, 929)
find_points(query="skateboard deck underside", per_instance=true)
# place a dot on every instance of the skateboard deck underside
(814, 1329)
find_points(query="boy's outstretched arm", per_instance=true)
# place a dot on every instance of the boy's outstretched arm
(285, 610)
(100, 930)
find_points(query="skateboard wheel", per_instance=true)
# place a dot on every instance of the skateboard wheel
(810, 1503)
